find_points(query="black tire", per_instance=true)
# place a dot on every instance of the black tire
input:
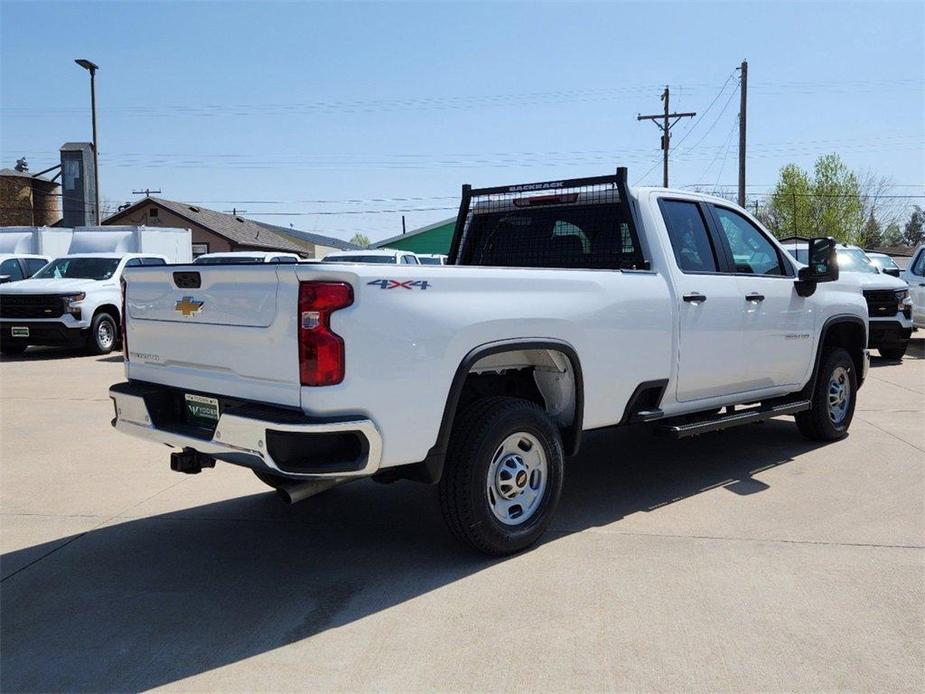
(103, 324)
(13, 347)
(475, 443)
(893, 353)
(819, 423)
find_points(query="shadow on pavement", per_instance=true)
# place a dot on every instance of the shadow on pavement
(143, 603)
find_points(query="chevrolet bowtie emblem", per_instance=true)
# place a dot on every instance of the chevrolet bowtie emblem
(188, 307)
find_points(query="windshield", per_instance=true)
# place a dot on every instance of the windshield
(430, 261)
(226, 260)
(854, 260)
(360, 259)
(883, 262)
(79, 268)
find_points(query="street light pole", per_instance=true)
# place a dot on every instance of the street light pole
(92, 68)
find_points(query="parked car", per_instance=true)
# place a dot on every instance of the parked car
(884, 263)
(380, 256)
(76, 299)
(888, 303)
(431, 259)
(18, 267)
(245, 257)
(574, 305)
(915, 277)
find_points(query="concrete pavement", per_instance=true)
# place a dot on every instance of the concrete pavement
(749, 559)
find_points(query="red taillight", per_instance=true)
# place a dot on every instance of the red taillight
(123, 320)
(321, 352)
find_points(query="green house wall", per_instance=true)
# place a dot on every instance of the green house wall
(436, 240)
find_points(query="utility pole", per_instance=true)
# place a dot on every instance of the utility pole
(743, 96)
(146, 192)
(665, 126)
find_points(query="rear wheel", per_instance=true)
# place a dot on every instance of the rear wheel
(893, 353)
(503, 475)
(833, 399)
(103, 334)
(13, 347)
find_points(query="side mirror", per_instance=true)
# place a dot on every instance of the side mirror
(822, 267)
(893, 271)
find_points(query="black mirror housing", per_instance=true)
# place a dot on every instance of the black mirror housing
(822, 266)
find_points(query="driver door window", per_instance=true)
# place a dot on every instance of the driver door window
(752, 253)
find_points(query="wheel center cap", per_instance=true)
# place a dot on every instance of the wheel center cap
(512, 477)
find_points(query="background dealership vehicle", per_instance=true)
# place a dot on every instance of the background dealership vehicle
(915, 277)
(888, 304)
(567, 306)
(884, 263)
(431, 259)
(381, 256)
(245, 257)
(76, 299)
(18, 267)
(25, 250)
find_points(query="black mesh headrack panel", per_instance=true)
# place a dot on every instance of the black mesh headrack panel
(580, 223)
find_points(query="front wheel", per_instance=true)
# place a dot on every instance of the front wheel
(503, 475)
(103, 334)
(893, 353)
(833, 399)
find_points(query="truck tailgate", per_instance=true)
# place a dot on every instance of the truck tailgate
(234, 334)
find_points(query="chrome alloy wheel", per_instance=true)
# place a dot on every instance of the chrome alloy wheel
(517, 478)
(839, 395)
(105, 334)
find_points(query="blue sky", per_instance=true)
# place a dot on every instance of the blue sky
(290, 110)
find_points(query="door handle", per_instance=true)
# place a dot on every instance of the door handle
(754, 296)
(694, 296)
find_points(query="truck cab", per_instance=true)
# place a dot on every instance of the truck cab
(18, 267)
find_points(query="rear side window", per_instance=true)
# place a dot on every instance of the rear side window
(752, 252)
(690, 240)
(590, 236)
(918, 267)
(153, 261)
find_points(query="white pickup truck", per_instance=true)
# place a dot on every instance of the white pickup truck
(566, 306)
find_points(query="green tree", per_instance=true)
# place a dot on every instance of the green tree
(892, 235)
(361, 240)
(837, 205)
(913, 234)
(871, 235)
(789, 211)
(827, 204)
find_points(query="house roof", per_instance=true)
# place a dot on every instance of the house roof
(24, 174)
(318, 239)
(412, 233)
(239, 230)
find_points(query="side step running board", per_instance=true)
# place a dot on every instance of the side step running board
(724, 421)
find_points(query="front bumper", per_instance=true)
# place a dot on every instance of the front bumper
(888, 333)
(44, 333)
(267, 438)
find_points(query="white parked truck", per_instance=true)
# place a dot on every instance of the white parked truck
(567, 306)
(382, 256)
(26, 250)
(245, 258)
(76, 299)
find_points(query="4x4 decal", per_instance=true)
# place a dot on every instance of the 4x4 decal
(395, 284)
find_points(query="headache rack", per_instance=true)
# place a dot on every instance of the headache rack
(579, 223)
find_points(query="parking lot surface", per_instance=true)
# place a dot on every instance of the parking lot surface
(744, 560)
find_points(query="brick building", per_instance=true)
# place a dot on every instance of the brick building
(27, 200)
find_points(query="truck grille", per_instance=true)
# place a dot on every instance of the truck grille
(881, 303)
(31, 306)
